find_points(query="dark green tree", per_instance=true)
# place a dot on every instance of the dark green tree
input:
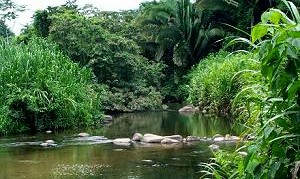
(115, 60)
(41, 23)
(4, 30)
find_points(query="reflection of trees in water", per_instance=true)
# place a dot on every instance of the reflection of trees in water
(196, 124)
(127, 124)
(200, 125)
(166, 123)
(173, 123)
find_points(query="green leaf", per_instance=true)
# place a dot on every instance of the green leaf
(253, 163)
(271, 16)
(267, 131)
(293, 89)
(273, 169)
(259, 31)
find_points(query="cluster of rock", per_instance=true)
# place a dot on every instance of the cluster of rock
(153, 140)
(173, 139)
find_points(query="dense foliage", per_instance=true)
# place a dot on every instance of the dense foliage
(115, 61)
(42, 89)
(275, 151)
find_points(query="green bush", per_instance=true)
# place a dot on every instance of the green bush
(42, 89)
(213, 82)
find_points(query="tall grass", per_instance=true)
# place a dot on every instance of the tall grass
(213, 83)
(42, 89)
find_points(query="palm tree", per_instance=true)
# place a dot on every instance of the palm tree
(178, 26)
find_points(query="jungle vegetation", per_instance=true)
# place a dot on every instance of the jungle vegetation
(72, 64)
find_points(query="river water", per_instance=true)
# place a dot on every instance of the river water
(22, 157)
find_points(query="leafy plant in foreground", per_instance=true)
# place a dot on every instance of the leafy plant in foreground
(275, 153)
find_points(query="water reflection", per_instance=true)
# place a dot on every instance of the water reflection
(167, 123)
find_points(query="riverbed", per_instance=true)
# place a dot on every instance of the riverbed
(22, 157)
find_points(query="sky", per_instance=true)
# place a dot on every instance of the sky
(32, 5)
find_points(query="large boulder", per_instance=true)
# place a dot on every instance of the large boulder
(152, 138)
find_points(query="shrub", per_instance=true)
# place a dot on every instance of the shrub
(42, 89)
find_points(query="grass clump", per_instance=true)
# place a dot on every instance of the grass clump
(42, 89)
(214, 84)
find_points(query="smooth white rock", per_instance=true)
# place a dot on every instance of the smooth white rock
(44, 144)
(83, 134)
(169, 141)
(152, 138)
(122, 140)
(175, 137)
(192, 138)
(49, 141)
(137, 137)
(219, 139)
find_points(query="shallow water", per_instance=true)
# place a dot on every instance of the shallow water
(22, 157)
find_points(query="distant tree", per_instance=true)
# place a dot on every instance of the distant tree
(9, 9)
(4, 30)
(41, 23)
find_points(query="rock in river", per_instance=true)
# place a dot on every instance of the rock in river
(214, 147)
(122, 141)
(187, 109)
(169, 141)
(44, 144)
(152, 138)
(137, 137)
(192, 138)
(83, 134)
(175, 137)
(49, 141)
(219, 139)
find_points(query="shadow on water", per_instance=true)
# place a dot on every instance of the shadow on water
(22, 157)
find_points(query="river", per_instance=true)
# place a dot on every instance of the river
(22, 157)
